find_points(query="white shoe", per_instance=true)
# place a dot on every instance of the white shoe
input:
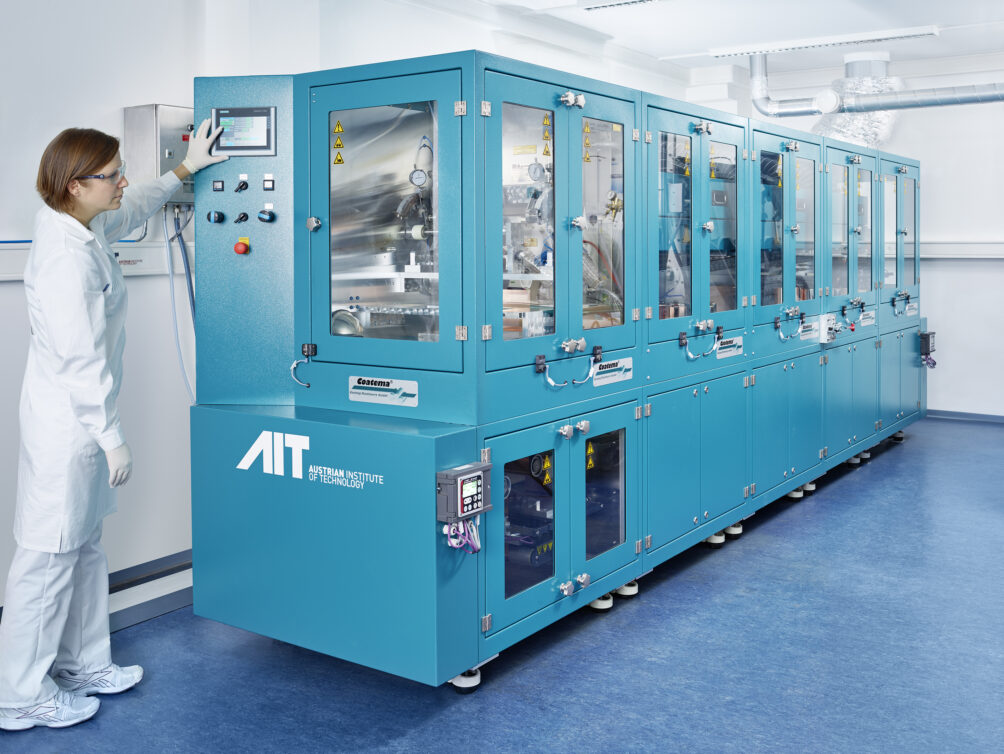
(111, 680)
(62, 711)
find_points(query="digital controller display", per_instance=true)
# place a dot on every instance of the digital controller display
(247, 131)
(470, 487)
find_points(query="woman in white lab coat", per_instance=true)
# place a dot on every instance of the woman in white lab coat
(54, 644)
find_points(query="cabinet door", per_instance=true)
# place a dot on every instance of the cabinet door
(839, 403)
(721, 210)
(724, 463)
(865, 390)
(603, 489)
(804, 240)
(673, 464)
(911, 368)
(890, 385)
(771, 224)
(386, 184)
(891, 276)
(805, 411)
(838, 273)
(526, 532)
(863, 232)
(526, 220)
(672, 181)
(771, 424)
(602, 179)
(909, 205)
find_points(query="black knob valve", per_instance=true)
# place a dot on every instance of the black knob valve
(266, 215)
(215, 217)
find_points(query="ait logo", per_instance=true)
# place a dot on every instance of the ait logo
(271, 446)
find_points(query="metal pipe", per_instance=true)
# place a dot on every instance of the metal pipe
(828, 101)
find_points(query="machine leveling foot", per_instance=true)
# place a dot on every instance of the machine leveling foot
(716, 540)
(602, 604)
(809, 487)
(467, 682)
(627, 591)
(853, 461)
(865, 455)
(734, 531)
(898, 437)
(796, 494)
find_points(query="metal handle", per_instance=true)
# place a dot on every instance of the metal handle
(583, 426)
(580, 100)
(795, 228)
(583, 579)
(709, 226)
(313, 223)
(568, 99)
(579, 222)
(702, 127)
(566, 431)
(572, 345)
(791, 146)
(859, 230)
(567, 588)
(903, 231)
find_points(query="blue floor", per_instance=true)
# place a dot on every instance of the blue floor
(866, 617)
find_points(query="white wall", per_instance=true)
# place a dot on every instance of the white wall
(78, 63)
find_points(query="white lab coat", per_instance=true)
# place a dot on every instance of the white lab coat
(76, 308)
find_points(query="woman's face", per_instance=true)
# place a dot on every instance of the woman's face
(92, 196)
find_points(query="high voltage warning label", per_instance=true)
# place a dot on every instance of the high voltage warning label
(585, 128)
(338, 127)
(547, 119)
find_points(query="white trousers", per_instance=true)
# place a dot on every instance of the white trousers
(55, 617)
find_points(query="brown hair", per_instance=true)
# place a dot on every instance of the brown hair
(75, 152)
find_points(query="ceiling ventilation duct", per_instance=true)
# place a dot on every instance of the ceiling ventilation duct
(864, 73)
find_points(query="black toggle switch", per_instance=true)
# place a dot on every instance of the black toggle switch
(242, 217)
(215, 217)
(241, 186)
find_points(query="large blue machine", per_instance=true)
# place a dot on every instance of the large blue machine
(480, 343)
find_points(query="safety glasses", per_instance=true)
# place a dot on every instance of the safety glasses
(112, 178)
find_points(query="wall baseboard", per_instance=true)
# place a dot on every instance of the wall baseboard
(964, 416)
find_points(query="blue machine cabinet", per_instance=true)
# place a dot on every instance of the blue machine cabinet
(626, 312)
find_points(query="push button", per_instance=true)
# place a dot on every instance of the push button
(243, 245)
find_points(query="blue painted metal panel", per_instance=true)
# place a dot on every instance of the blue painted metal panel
(865, 390)
(771, 425)
(911, 371)
(839, 399)
(805, 411)
(724, 460)
(890, 385)
(672, 464)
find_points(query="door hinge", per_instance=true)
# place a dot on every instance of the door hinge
(486, 623)
(753, 155)
(821, 362)
(918, 404)
(648, 409)
(460, 107)
(746, 492)
(880, 423)
(746, 154)
(648, 542)
(637, 547)
(878, 343)
(486, 332)
(648, 137)
(876, 424)
(486, 455)
(461, 332)
(753, 488)
(826, 359)
(746, 381)
(746, 301)
(636, 314)
(827, 168)
(635, 135)
(648, 312)
(638, 412)
(486, 109)
(826, 451)
(752, 380)
(821, 168)
(820, 454)
(752, 300)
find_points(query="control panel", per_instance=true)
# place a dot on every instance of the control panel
(463, 492)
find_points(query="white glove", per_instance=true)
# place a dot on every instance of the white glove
(198, 156)
(119, 465)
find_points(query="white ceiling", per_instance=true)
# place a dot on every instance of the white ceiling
(683, 31)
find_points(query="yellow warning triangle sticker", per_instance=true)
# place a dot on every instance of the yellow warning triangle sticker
(547, 462)
(589, 463)
(338, 143)
(547, 135)
(547, 477)
(585, 128)
(547, 119)
(338, 127)
(589, 449)
(587, 158)
(338, 159)
(547, 150)
(587, 143)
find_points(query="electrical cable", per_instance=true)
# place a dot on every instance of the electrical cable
(174, 309)
(184, 260)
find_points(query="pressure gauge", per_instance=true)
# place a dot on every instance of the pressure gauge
(536, 171)
(418, 177)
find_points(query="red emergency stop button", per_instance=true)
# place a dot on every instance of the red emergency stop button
(242, 247)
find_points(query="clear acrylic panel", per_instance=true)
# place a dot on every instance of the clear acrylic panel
(838, 231)
(805, 239)
(383, 222)
(603, 234)
(864, 222)
(771, 228)
(528, 491)
(675, 224)
(889, 227)
(724, 238)
(528, 263)
(910, 226)
(605, 493)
